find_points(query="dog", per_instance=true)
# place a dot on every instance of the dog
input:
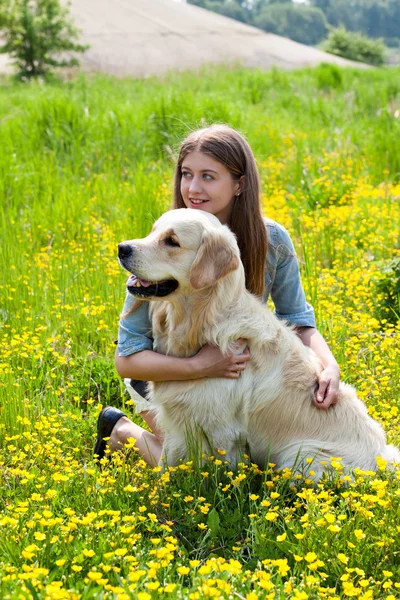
(189, 267)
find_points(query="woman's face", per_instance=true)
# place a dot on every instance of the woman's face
(208, 185)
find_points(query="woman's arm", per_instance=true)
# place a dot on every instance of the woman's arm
(148, 365)
(329, 378)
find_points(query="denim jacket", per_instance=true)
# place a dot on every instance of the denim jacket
(282, 282)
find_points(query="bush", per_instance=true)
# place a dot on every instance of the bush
(355, 46)
(304, 24)
(36, 32)
(329, 77)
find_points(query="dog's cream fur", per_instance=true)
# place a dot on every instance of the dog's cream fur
(270, 406)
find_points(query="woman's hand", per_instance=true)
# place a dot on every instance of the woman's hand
(210, 362)
(328, 387)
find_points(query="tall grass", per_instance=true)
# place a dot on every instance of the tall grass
(86, 164)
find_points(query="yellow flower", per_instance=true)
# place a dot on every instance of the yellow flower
(61, 562)
(271, 516)
(183, 570)
(39, 536)
(153, 585)
(194, 563)
(343, 558)
(310, 557)
(281, 538)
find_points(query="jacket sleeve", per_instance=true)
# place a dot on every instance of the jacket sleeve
(287, 291)
(134, 333)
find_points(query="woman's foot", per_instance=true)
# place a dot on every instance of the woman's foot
(116, 426)
(106, 421)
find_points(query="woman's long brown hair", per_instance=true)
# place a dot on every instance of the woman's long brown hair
(229, 147)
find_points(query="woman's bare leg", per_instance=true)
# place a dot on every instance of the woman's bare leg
(150, 418)
(149, 445)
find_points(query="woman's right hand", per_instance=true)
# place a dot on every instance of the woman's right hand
(210, 362)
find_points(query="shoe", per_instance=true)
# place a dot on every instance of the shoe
(105, 424)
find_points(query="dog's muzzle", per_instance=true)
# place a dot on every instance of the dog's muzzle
(138, 286)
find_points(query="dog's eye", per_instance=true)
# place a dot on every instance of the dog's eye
(169, 241)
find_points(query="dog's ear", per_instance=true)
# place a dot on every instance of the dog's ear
(215, 259)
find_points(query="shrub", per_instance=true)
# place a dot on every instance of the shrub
(355, 46)
(37, 34)
(329, 77)
(305, 24)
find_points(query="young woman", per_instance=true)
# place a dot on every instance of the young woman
(216, 172)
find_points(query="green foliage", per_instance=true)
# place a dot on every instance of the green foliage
(375, 18)
(84, 165)
(329, 77)
(388, 291)
(229, 8)
(94, 379)
(37, 34)
(304, 24)
(355, 46)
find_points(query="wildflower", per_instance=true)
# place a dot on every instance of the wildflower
(271, 516)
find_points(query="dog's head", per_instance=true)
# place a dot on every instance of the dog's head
(186, 251)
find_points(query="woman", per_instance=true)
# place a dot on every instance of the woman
(216, 172)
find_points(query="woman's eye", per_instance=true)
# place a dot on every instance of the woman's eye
(186, 174)
(169, 241)
(207, 176)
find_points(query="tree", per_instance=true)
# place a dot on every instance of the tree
(301, 23)
(375, 18)
(229, 8)
(37, 34)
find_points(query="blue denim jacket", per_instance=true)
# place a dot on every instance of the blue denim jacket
(282, 282)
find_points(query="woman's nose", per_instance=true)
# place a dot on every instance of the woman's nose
(195, 185)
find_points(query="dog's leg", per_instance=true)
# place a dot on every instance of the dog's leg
(173, 453)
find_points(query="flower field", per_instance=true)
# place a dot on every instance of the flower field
(88, 163)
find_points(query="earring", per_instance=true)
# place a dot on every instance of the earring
(237, 195)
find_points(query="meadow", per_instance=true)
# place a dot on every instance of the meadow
(88, 163)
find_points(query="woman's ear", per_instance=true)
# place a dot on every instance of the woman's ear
(241, 184)
(215, 259)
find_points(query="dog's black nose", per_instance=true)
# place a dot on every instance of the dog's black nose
(124, 250)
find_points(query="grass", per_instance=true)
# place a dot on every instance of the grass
(86, 164)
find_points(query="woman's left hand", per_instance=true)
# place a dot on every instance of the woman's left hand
(328, 387)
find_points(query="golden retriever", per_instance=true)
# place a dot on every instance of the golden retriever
(190, 266)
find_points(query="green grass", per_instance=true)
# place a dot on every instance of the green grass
(86, 164)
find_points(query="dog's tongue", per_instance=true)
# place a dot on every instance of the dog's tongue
(132, 281)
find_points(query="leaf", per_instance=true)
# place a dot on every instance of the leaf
(213, 522)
